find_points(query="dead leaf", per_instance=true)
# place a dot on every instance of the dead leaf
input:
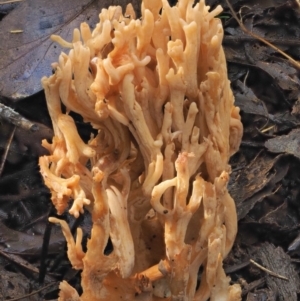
(285, 75)
(14, 285)
(289, 144)
(22, 243)
(276, 260)
(26, 57)
(256, 181)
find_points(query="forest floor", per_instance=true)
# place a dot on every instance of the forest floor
(265, 179)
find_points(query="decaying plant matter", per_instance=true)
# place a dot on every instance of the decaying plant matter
(155, 175)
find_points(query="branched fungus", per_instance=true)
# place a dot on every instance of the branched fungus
(155, 175)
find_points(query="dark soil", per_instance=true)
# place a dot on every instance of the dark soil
(265, 180)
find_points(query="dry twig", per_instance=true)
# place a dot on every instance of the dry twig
(254, 35)
(268, 271)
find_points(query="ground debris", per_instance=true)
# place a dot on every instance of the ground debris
(289, 144)
(276, 260)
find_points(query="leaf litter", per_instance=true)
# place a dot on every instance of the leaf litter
(265, 181)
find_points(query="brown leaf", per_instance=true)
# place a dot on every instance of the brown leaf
(252, 184)
(276, 260)
(289, 144)
(26, 56)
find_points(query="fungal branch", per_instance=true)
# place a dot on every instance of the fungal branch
(154, 176)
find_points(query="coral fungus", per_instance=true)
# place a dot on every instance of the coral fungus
(155, 175)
